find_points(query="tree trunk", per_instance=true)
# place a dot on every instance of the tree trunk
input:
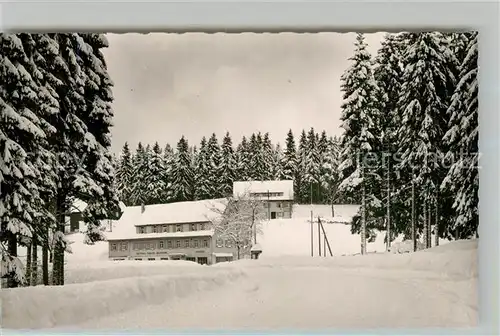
(436, 219)
(12, 280)
(425, 215)
(58, 262)
(429, 223)
(388, 220)
(34, 264)
(363, 212)
(28, 263)
(45, 259)
(413, 223)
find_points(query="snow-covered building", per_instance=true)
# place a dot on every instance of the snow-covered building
(172, 231)
(277, 194)
(74, 219)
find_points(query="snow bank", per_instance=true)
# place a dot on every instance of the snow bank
(48, 307)
(107, 270)
(456, 260)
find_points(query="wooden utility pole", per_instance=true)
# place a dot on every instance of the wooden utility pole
(326, 238)
(319, 238)
(312, 235)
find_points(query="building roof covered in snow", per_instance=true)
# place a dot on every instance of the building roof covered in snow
(170, 213)
(281, 190)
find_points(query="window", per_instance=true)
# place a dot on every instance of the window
(169, 244)
(165, 228)
(161, 244)
(219, 243)
(142, 229)
(151, 258)
(163, 258)
(202, 260)
(150, 246)
(193, 227)
(205, 243)
(202, 226)
(155, 230)
(178, 228)
(134, 246)
(113, 247)
(280, 205)
(229, 243)
(178, 243)
(195, 243)
(186, 243)
(124, 247)
(138, 258)
(191, 259)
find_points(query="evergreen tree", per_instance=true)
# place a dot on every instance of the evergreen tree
(25, 108)
(168, 161)
(154, 176)
(425, 95)
(289, 159)
(311, 168)
(124, 175)
(299, 172)
(243, 158)
(267, 158)
(139, 167)
(277, 170)
(214, 157)
(462, 137)
(359, 117)
(228, 166)
(203, 185)
(182, 174)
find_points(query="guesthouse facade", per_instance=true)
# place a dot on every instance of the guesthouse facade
(174, 231)
(278, 195)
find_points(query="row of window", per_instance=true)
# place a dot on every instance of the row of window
(266, 194)
(171, 228)
(169, 244)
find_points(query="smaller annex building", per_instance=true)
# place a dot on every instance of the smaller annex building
(173, 231)
(278, 195)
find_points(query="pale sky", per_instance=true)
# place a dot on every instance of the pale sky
(169, 85)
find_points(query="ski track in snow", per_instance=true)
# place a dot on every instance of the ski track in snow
(311, 298)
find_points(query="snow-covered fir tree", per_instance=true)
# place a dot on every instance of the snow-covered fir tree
(299, 171)
(277, 170)
(124, 175)
(267, 158)
(359, 116)
(203, 186)
(425, 95)
(25, 107)
(214, 164)
(243, 166)
(168, 161)
(182, 174)
(228, 166)
(154, 179)
(289, 158)
(139, 167)
(462, 179)
(311, 168)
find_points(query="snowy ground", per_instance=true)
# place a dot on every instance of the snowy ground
(432, 288)
(292, 237)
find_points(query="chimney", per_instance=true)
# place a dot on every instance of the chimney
(143, 208)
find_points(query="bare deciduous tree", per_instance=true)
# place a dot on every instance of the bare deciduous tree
(239, 220)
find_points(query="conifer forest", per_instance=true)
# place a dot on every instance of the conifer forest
(407, 152)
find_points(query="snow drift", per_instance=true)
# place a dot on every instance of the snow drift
(455, 260)
(47, 307)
